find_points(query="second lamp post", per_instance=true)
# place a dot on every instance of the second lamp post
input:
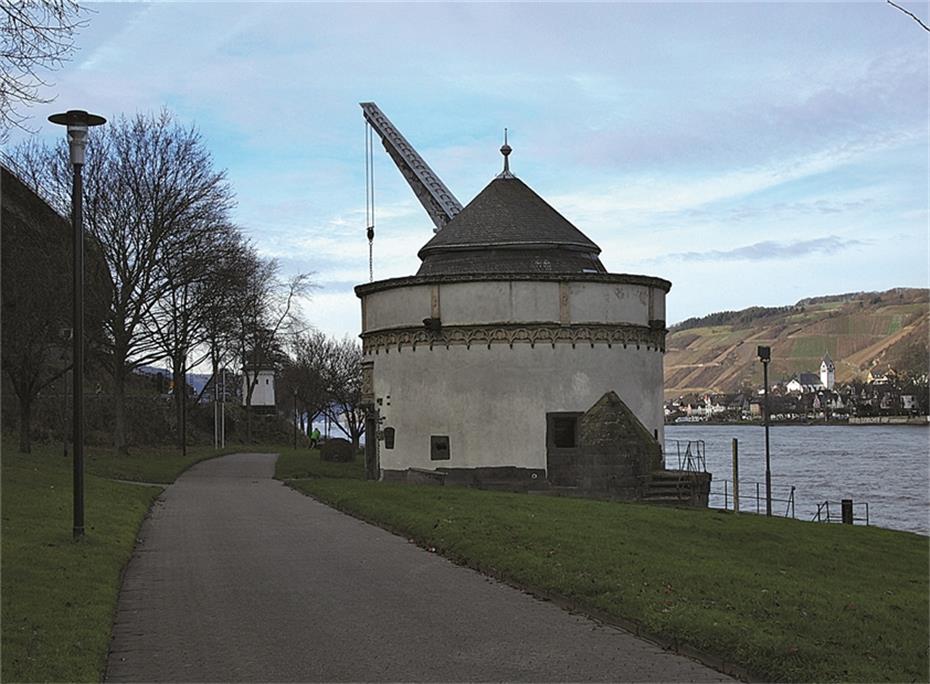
(765, 356)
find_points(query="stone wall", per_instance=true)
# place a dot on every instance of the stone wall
(614, 456)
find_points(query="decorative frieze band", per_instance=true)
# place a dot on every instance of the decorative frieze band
(626, 335)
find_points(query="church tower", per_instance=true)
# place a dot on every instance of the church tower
(827, 372)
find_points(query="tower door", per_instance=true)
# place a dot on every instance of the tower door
(562, 448)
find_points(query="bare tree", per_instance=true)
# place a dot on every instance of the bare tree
(266, 309)
(306, 374)
(149, 206)
(182, 319)
(344, 387)
(35, 36)
(231, 270)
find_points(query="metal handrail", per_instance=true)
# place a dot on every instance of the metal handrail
(727, 493)
(692, 458)
(823, 513)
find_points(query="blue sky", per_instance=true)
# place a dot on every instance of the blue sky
(753, 154)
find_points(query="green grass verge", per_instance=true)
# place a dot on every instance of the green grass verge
(59, 596)
(303, 463)
(161, 465)
(786, 600)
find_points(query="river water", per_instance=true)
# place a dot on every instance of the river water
(886, 466)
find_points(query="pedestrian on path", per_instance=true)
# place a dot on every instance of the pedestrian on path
(314, 438)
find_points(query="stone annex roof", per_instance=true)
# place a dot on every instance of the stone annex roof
(508, 228)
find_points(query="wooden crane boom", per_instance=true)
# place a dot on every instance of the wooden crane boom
(436, 198)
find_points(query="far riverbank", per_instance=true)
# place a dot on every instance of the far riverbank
(870, 420)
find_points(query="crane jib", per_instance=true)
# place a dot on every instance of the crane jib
(439, 202)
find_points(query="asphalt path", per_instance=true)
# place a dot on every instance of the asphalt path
(237, 577)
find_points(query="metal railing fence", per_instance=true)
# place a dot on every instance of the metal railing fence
(751, 497)
(835, 514)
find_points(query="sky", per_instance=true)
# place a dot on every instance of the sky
(752, 154)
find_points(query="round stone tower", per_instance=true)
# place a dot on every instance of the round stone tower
(510, 330)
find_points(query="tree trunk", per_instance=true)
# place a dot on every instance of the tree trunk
(119, 400)
(214, 362)
(250, 384)
(248, 408)
(180, 386)
(25, 424)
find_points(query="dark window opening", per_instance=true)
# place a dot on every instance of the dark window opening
(562, 429)
(439, 448)
(389, 438)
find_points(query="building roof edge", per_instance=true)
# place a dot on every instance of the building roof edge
(406, 281)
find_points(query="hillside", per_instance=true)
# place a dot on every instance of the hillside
(717, 353)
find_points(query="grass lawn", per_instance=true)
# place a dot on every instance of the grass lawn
(59, 596)
(295, 464)
(784, 599)
(161, 465)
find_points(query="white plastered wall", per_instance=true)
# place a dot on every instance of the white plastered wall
(492, 403)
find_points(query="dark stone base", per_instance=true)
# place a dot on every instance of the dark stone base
(504, 478)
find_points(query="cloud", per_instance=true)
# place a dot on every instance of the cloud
(769, 250)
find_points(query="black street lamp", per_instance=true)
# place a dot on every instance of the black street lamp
(765, 356)
(78, 121)
(295, 419)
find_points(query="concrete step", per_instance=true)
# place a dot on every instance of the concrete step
(557, 490)
(674, 476)
(666, 500)
(514, 485)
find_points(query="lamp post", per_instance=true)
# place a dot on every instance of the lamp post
(765, 356)
(295, 419)
(77, 121)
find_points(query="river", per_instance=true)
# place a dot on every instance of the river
(887, 467)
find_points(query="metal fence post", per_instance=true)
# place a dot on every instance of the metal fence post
(847, 511)
(735, 475)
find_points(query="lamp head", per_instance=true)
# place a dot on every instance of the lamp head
(77, 121)
(764, 353)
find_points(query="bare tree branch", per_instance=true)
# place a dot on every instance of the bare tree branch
(35, 36)
(910, 14)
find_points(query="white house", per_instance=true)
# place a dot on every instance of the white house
(804, 383)
(263, 394)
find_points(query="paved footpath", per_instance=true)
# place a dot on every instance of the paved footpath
(239, 578)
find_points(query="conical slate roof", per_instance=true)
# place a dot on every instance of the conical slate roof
(508, 228)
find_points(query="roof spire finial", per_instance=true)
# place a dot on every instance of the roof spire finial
(506, 150)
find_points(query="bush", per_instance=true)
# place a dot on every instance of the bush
(337, 450)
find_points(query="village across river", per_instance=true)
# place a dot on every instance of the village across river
(887, 467)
